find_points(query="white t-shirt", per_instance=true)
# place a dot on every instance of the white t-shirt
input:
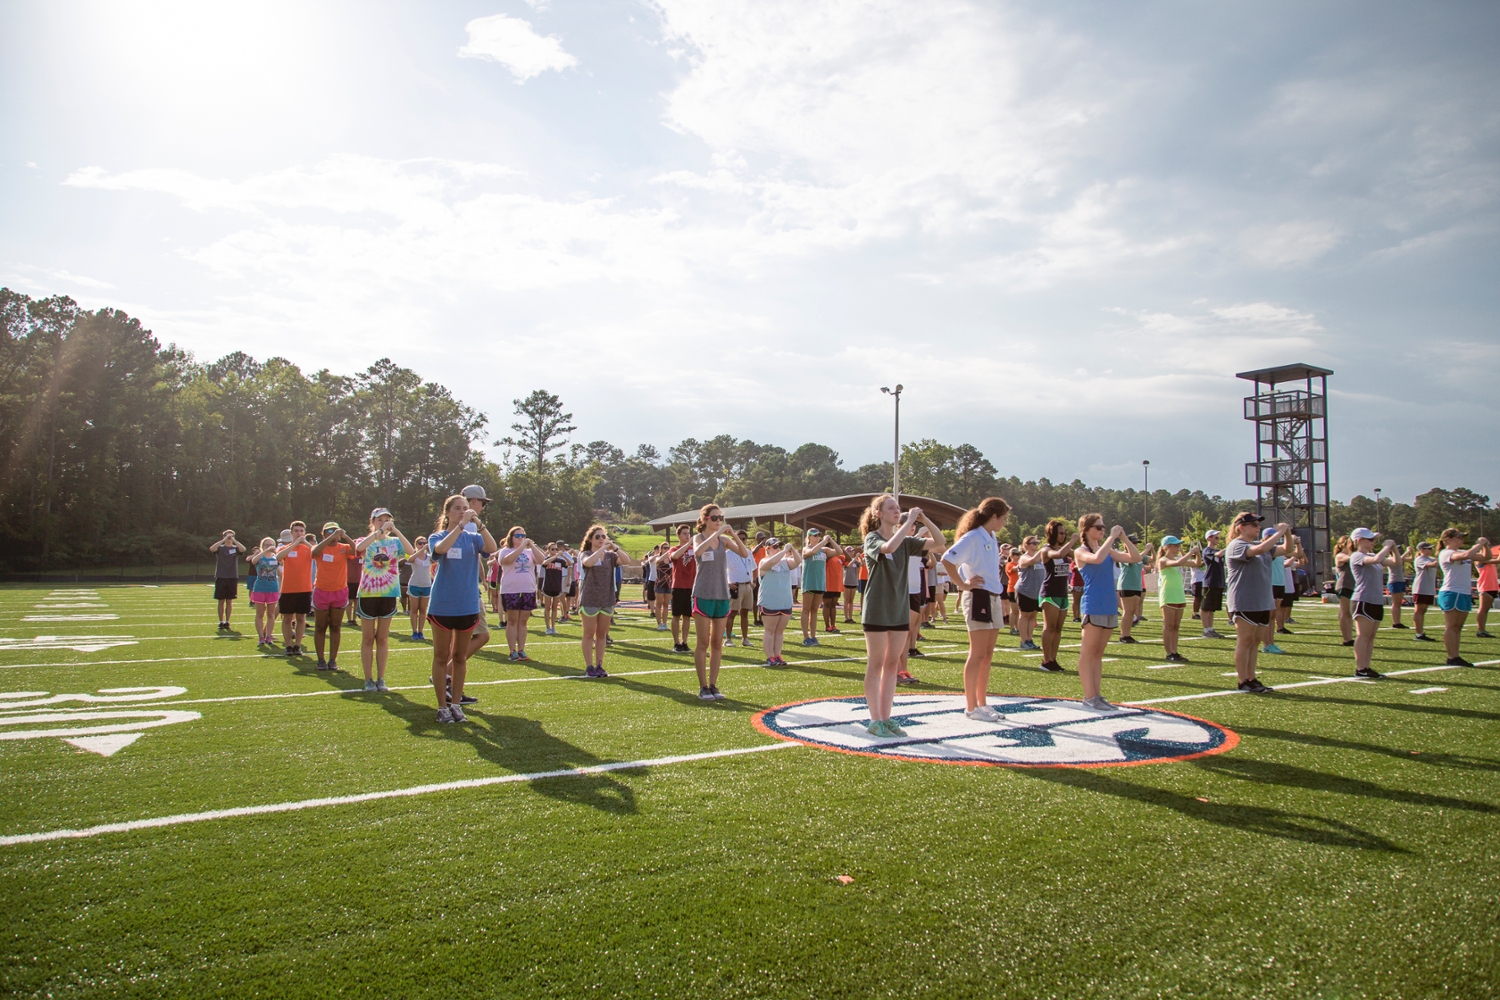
(977, 554)
(914, 575)
(1458, 575)
(741, 568)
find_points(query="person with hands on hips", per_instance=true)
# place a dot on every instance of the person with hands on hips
(227, 551)
(973, 566)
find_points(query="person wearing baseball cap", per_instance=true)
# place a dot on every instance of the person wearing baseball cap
(1368, 567)
(1247, 561)
(1170, 594)
(1424, 567)
(1214, 582)
(475, 493)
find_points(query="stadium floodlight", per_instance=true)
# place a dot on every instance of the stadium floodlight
(896, 456)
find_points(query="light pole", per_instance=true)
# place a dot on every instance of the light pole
(1377, 510)
(896, 455)
(1145, 499)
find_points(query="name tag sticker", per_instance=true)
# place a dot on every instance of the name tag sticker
(708, 556)
(455, 553)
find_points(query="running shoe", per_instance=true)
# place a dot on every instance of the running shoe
(1423, 637)
(550, 631)
(607, 641)
(1129, 639)
(718, 696)
(1273, 649)
(1137, 619)
(876, 728)
(467, 699)
(1283, 631)
(891, 729)
(458, 714)
(1050, 667)
(915, 652)
(905, 677)
(1399, 625)
(1367, 674)
(1197, 616)
(810, 641)
(599, 671)
(223, 626)
(588, 671)
(1029, 645)
(322, 664)
(1457, 661)
(333, 664)
(1348, 642)
(984, 713)
(521, 653)
(704, 694)
(745, 641)
(1477, 635)
(513, 656)
(369, 685)
(444, 715)
(661, 628)
(1253, 686)
(1176, 658)
(1097, 704)
(1213, 633)
(832, 631)
(380, 685)
(847, 621)
(1015, 631)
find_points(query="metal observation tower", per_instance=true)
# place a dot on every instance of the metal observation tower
(1290, 471)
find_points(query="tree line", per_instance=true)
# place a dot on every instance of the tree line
(121, 451)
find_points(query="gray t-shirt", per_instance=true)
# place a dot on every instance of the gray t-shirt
(1424, 579)
(227, 563)
(1249, 578)
(712, 581)
(599, 583)
(1369, 577)
(1029, 579)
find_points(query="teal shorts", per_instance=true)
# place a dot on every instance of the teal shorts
(710, 609)
(1452, 600)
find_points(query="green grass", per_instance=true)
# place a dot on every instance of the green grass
(1346, 847)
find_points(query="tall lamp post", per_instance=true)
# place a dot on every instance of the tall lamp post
(896, 454)
(1377, 510)
(1145, 499)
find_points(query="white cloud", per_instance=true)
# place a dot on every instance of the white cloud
(513, 43)
(1289, 244)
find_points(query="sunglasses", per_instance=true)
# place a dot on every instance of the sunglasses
(597, 536)
(716, 517)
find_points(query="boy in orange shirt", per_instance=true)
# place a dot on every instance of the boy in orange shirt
(295, 603)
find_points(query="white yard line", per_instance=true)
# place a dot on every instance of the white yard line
(394, 793)
(1300, 684)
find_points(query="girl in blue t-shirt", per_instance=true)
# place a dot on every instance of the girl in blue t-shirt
(1095, 559)
(454, 608)
(265, 588)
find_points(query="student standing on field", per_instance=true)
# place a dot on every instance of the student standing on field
(1368, 567)
(331, 557)
(1031, 573)
(419, 587)
(351, 583)
(1397, 584)
(1131, 588)
(456, 604)
(814, 581)
(596, 603)
(226, 552)
(1424, 569)
(1056, 557)
(1170, 594)
(1489, 590)
(1215, 581)
(885, 610)
(265, 588)
(1456, 598)
(712, 544)
(296, 588)
(1247, 560)
(684, 572)
(741, 591)
(973, 565)
(379, 592)
(1095, 558)
(776, 605)
(851, 581)
(517, 562)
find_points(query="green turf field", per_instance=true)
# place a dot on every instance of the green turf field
(1346, 847)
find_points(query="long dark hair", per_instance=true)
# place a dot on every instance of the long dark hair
(978, 517)
(1055, 532)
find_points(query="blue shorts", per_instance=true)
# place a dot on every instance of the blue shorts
(418, 591)
(1397, 586)
(1452, 600)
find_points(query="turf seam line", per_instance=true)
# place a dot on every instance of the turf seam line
(394, 793)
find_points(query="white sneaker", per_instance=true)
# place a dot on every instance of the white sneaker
(457, 713)
(745, 641)
(1097, 704)
(984, 713)
(444, 715)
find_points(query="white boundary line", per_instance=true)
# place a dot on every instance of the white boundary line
(1302, 684)
(394, 793)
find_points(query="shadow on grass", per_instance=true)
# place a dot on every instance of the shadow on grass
(1261, 820)
(1430, 759)
(1264, 772)
(519, 746)
(1395, 706)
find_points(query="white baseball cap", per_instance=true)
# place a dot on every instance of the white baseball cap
(1361, 533)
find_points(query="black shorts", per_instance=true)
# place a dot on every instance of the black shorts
(812, 593)
(1374, 612)
(886, 628)
(682, 602)
(573, 589)
(916, 602)
(648, 591)
(931, 595)
(1289, 598)
(226, 590)
(1346, 593)
(1198, 588)
(1423, 600)
(1131, 593)
(1277, 593)
(1028, 605)
(454, 623)
(375, 607)
(1213, 599)
(831, 597)
(354, 591)
(295, 604)
(1262, 618)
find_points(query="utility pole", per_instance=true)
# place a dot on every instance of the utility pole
(896, 454)
(1145, 500)
(1377, 510)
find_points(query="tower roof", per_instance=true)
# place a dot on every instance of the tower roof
(1283, 373)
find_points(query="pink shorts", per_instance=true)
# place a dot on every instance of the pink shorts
(258, 597)
(330, 600)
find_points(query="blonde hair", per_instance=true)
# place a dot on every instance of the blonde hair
(268, 538)
(1344, 545)
(870, 519)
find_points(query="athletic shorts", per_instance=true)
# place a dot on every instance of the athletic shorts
(1262, 618)
(454, 623)
(1131, 593)
(1372, 612)
(1452, 600)
(1424, 600)
(573, 589)
(648, 591)
(1277, 593)
(966, 600)
(264, 597)
(299, 603)
(1289, 598)
(1028, 605)
(710, 609)
(226, 590)
(588, 612)
(419, 591)
(1198, 588)
(1179, 607)
(831, 598)
(682, 602)
(1346, 593)
(772, 613)
(353, 592)
(482, 626)
(1213, 599)
(916, 602)
(812, 593)
(330, 600)
(1491, 594)
(886, 628)
(1061, 603)
(745, 601)
(931, 595)
(862, 585)
(1397, 586)
(1102, 621)
(519, 602)
(375, 607)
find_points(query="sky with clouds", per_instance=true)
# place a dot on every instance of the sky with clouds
(1062, 226)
